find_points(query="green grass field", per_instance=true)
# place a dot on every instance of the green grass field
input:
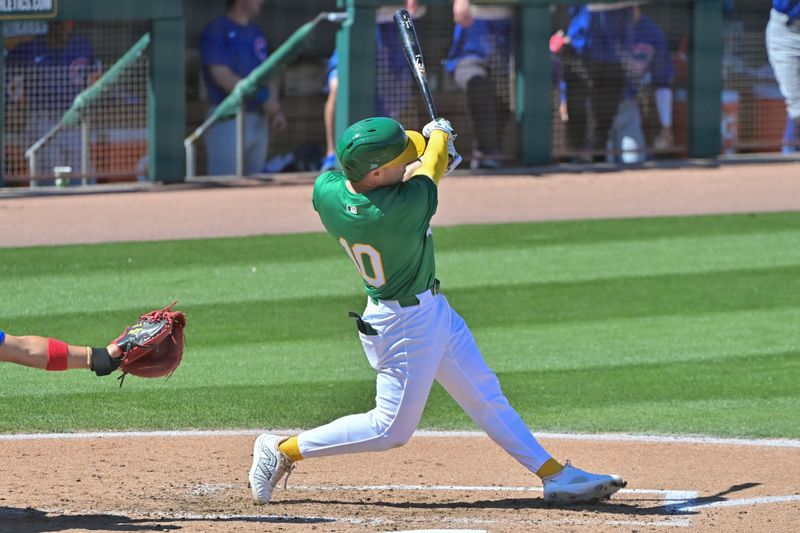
(663, 325)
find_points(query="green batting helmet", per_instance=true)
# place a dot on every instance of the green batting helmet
(376, 142)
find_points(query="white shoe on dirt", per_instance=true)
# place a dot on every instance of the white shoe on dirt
(573, 485)
(269, 466)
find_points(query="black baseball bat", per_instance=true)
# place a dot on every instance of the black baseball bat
(408, 35)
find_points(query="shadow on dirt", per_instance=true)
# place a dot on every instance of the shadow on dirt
(28, 520)
(688, 507)
(616, 506)
(15, 520)
(621, 504)
(35, 521)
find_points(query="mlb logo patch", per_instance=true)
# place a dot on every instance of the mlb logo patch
(351, 209)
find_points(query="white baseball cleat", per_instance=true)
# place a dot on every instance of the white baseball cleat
(269, 466)
(573, 485)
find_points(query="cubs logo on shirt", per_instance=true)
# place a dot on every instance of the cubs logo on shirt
(260, 48)
(78, 71)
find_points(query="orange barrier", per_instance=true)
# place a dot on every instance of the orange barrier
(118, 161)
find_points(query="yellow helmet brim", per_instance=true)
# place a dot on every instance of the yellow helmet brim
(414, 149)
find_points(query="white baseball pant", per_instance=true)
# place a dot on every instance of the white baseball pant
(414, 346)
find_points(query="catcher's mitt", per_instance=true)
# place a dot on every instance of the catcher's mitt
(153, 347)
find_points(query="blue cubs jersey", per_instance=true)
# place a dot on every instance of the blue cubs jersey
(648, 62)
(53, 76)
(240, 48)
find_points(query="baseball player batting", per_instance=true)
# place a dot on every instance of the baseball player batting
(379, 208)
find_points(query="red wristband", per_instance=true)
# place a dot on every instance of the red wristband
(57, 354)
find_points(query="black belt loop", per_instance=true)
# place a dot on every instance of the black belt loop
(408, 301)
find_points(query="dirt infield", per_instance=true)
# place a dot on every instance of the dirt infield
(197, 482)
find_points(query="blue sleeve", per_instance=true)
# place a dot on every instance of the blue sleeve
(577, 30)
(333, 65)
(2, 337)
(789, 7)
(454, 54)
(212, 44)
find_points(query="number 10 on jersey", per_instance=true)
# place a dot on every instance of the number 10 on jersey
(368, 261)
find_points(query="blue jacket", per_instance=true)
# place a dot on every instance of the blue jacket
(787, 7)
(483, 39)
(603, 36)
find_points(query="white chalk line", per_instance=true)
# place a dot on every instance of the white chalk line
(203, 489)
(745, 502)
(607, 437)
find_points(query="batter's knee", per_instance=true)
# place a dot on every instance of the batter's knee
(394, 439)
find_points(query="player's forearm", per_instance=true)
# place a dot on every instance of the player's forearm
(225, 78)
(33, 351)
(37, 352)
(434, 160)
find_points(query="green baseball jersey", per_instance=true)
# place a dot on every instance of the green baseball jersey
(385, 232)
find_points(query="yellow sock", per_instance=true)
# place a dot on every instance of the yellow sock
(291, 449)
(549, 468)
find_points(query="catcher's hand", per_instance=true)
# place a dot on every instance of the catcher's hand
(153, 347)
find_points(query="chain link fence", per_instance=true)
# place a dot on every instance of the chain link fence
(47, 65)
